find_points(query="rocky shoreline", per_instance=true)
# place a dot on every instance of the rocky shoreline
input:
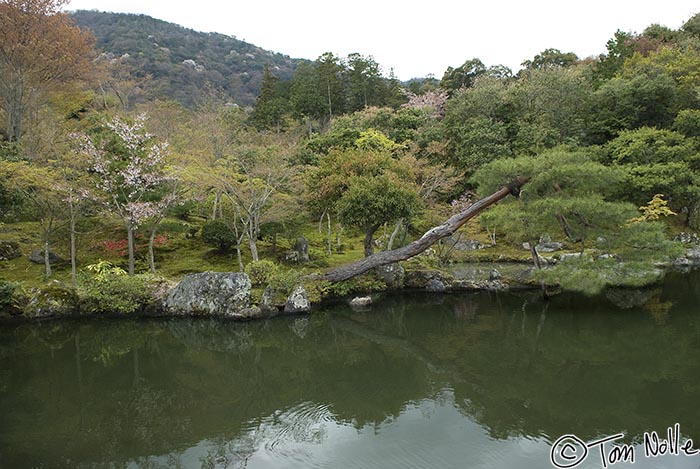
(230, 294)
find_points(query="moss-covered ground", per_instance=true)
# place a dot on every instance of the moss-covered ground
(180, 253)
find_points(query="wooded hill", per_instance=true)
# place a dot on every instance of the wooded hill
(182, 62)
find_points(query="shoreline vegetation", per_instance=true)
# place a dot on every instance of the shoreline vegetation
(232, 295)
(135, 179)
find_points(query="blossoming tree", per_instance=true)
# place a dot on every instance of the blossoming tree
(129, 163)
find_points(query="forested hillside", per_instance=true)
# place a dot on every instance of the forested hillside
(115, 171)
(180, 63)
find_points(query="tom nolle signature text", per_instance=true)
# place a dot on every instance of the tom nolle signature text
(570, 451)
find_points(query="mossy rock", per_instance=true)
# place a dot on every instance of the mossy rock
(54, 299)
(272, 301)
(9, 250)
(428, 279)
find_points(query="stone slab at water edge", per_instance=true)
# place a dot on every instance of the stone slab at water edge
(211, 293)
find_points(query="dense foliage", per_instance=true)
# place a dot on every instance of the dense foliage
(339, 152)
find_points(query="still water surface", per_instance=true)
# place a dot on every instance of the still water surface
(419, 381)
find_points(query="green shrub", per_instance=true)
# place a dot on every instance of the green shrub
(7, 292)
(217, 234)
(173, 226)
(184, 210)
(284, 281)
(359, 284)
(261, 271)
(316, 290)
(54, 299)
(116, 293)
(13, 298)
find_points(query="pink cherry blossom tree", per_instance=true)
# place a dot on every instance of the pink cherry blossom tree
(130, 170)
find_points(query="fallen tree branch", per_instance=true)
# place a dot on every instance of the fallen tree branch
(431, 236)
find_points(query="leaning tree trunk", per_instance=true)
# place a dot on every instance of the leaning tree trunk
(428, 239)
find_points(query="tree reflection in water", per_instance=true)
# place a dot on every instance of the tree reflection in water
(492, 370)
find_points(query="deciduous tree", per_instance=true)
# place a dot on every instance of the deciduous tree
(40, 47)
(129, 165)
(37, 185)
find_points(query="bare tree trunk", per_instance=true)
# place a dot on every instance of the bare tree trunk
(253, 248)
(252, 239)
(104, 95)
(566, 227)
(216, 204)
(239, 255)
(328, 215)
(392, 238)
(693, 220)
(428, 239)
(47, 260)
(239, 239)
(15, 111)
(151, 253)
(337, 237)
(130, 238)
(369, 235)
(492, 235)
(330, 107)
(535, 255)
(73, 262)
(320, 221)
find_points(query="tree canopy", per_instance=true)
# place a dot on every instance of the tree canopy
(40, 48)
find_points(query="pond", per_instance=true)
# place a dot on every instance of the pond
(468, 380)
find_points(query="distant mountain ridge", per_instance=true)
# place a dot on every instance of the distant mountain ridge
(183, 63)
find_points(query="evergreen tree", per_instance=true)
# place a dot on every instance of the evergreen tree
(270, 106)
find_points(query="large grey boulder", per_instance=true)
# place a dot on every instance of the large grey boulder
(392, 274)
(549, 247)
(545, 244)
(299, 253)
(691, 258)
(436, 285)
(687, 238)
(302, 247)
(459, 244)
(431, 280)
(693, 255)
(477, 285)
(37, 257)
(361, 301)
(211, 293)
(298, 302)
(272, 301)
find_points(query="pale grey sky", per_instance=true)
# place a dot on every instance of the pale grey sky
(415, 38)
